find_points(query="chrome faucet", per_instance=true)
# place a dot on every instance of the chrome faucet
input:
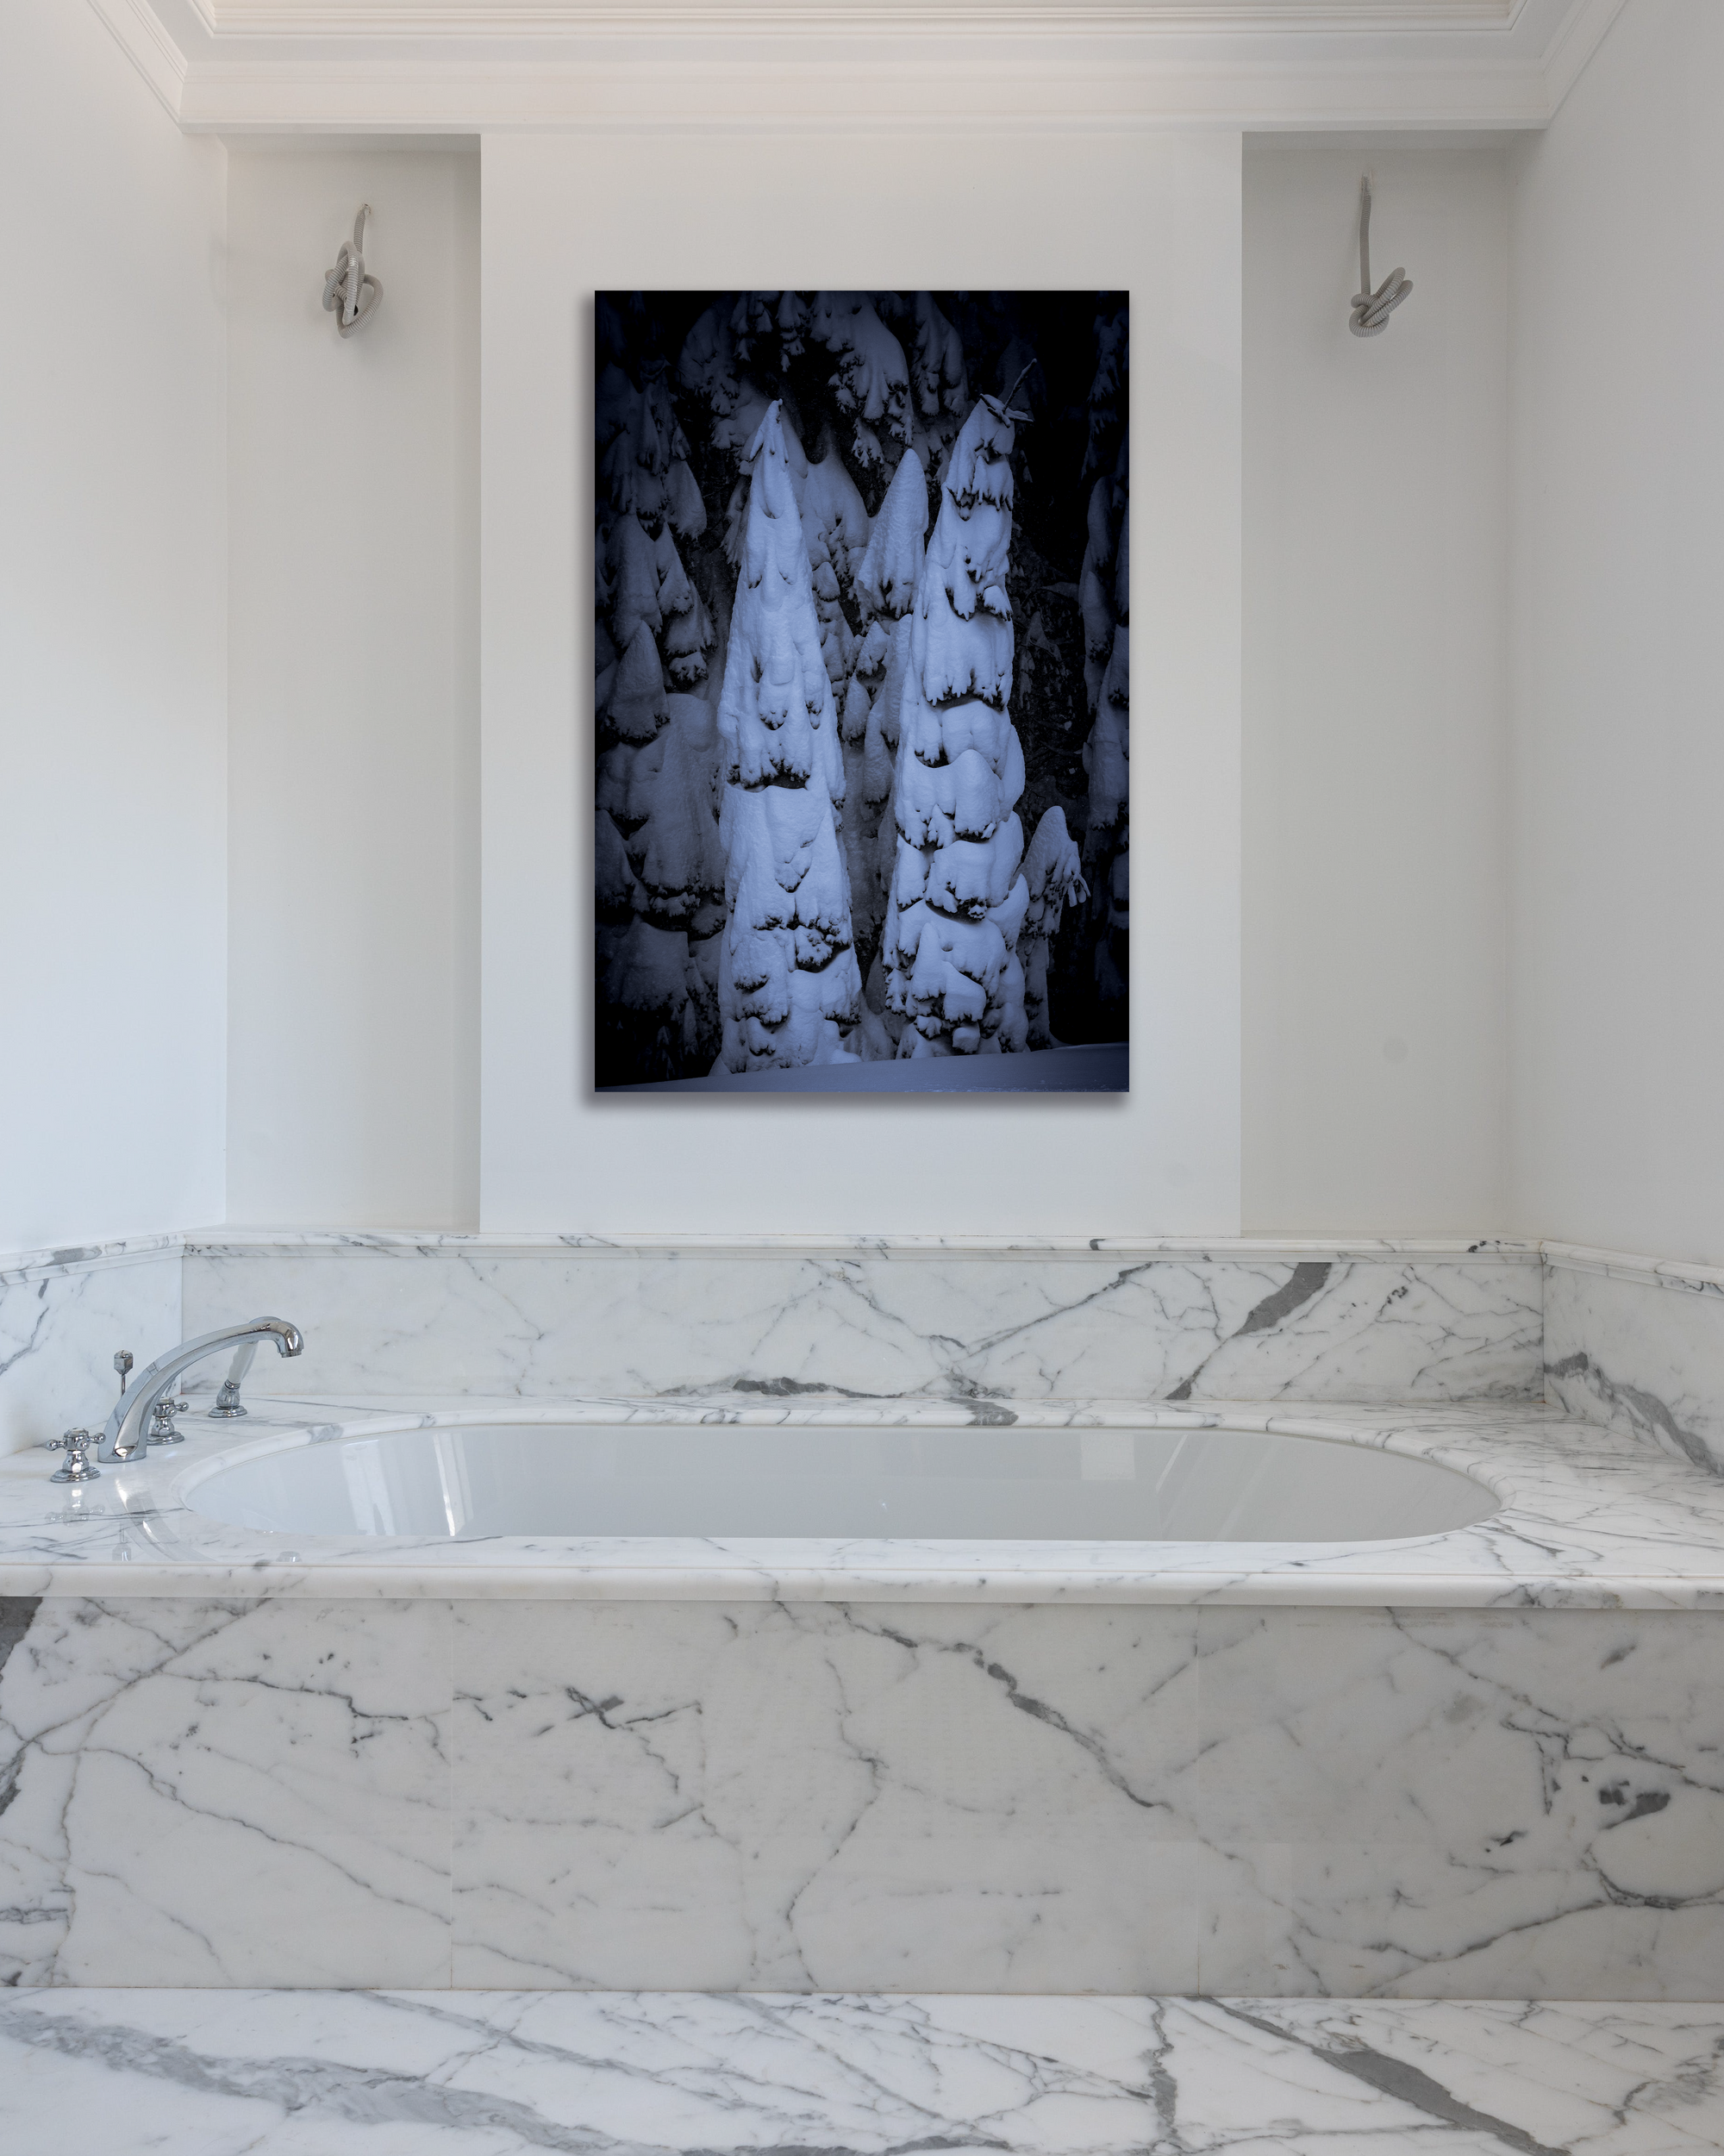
(126, 1435)
(227, 1408)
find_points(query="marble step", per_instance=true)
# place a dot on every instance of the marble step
(490, 2074)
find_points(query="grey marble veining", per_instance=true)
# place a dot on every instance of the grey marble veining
(1345, 1802)
(862, 1795)
(1638, 1349)
(222, 1794)
(396, 2073)
(62, 1315)
(874, 1318)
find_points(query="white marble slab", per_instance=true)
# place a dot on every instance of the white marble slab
(1639, 1347)
(871, 1317)
(1054, 1799)
(1587, 1517)
(863, 1796)
(491, 2074)
(224, 1794)
(1464, 1804)
(63, 1313)
(825, 1797)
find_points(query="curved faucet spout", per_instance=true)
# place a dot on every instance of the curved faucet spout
(126, 1435)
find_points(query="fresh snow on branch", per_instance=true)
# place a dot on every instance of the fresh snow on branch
(872, 380)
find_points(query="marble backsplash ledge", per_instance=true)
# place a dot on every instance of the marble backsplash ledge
(874, 1315)
(63, 1313)
(1638, 1346)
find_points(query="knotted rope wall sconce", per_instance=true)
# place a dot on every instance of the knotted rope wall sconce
(351, 293)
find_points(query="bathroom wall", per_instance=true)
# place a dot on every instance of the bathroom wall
(112, 634)
(1374, 1047)
(564, 214)
(1618, 321)
(354, 699)
(1375, 880)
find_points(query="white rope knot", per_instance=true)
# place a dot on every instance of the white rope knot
(1371, 309)
(351, 293)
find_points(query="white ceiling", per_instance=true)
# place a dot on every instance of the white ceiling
(424, 66)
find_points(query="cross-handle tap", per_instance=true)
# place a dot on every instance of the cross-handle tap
(75, 1444)
(125, 1435)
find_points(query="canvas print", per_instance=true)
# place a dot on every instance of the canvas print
(862, 692)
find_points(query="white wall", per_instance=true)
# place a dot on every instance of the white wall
(1619, 571)
(354, 891)
(112, 575)
(1374, 1078)
(564, 216)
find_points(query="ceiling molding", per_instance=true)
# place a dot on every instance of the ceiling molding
(148, 47)
(1579, 39)
(369, 19)
(412, 66)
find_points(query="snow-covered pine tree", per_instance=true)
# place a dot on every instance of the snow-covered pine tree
(886, 576)
(660, 880)
(1104, 599)
(958, 900)
(871, 382)
(836, 528)
(940, 382)
(1053, 875)
(789, 987)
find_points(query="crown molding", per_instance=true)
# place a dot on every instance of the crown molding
(413, 66)
(146, 44)
(1575, 43)
(372, 19)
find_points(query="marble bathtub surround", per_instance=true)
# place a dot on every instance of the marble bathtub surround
(885, 1317)
(863, 1796)
(1638, 1347)
(1490, 1763)
(246, 2073)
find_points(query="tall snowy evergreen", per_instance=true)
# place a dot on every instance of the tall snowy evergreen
(1104, 597)
(871, 382)
(660, 877)
(941, 381)
(958, 900)
(1054, 876)
(789, 987)
(885, 579)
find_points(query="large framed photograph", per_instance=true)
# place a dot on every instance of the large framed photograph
(862, 692)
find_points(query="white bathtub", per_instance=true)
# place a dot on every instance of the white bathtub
(922, 1483)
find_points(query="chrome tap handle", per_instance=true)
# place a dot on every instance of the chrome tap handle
(75, 1444)
(162, 1431)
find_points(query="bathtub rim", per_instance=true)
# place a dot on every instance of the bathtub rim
(1590, 1519)
(1035, 1552)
